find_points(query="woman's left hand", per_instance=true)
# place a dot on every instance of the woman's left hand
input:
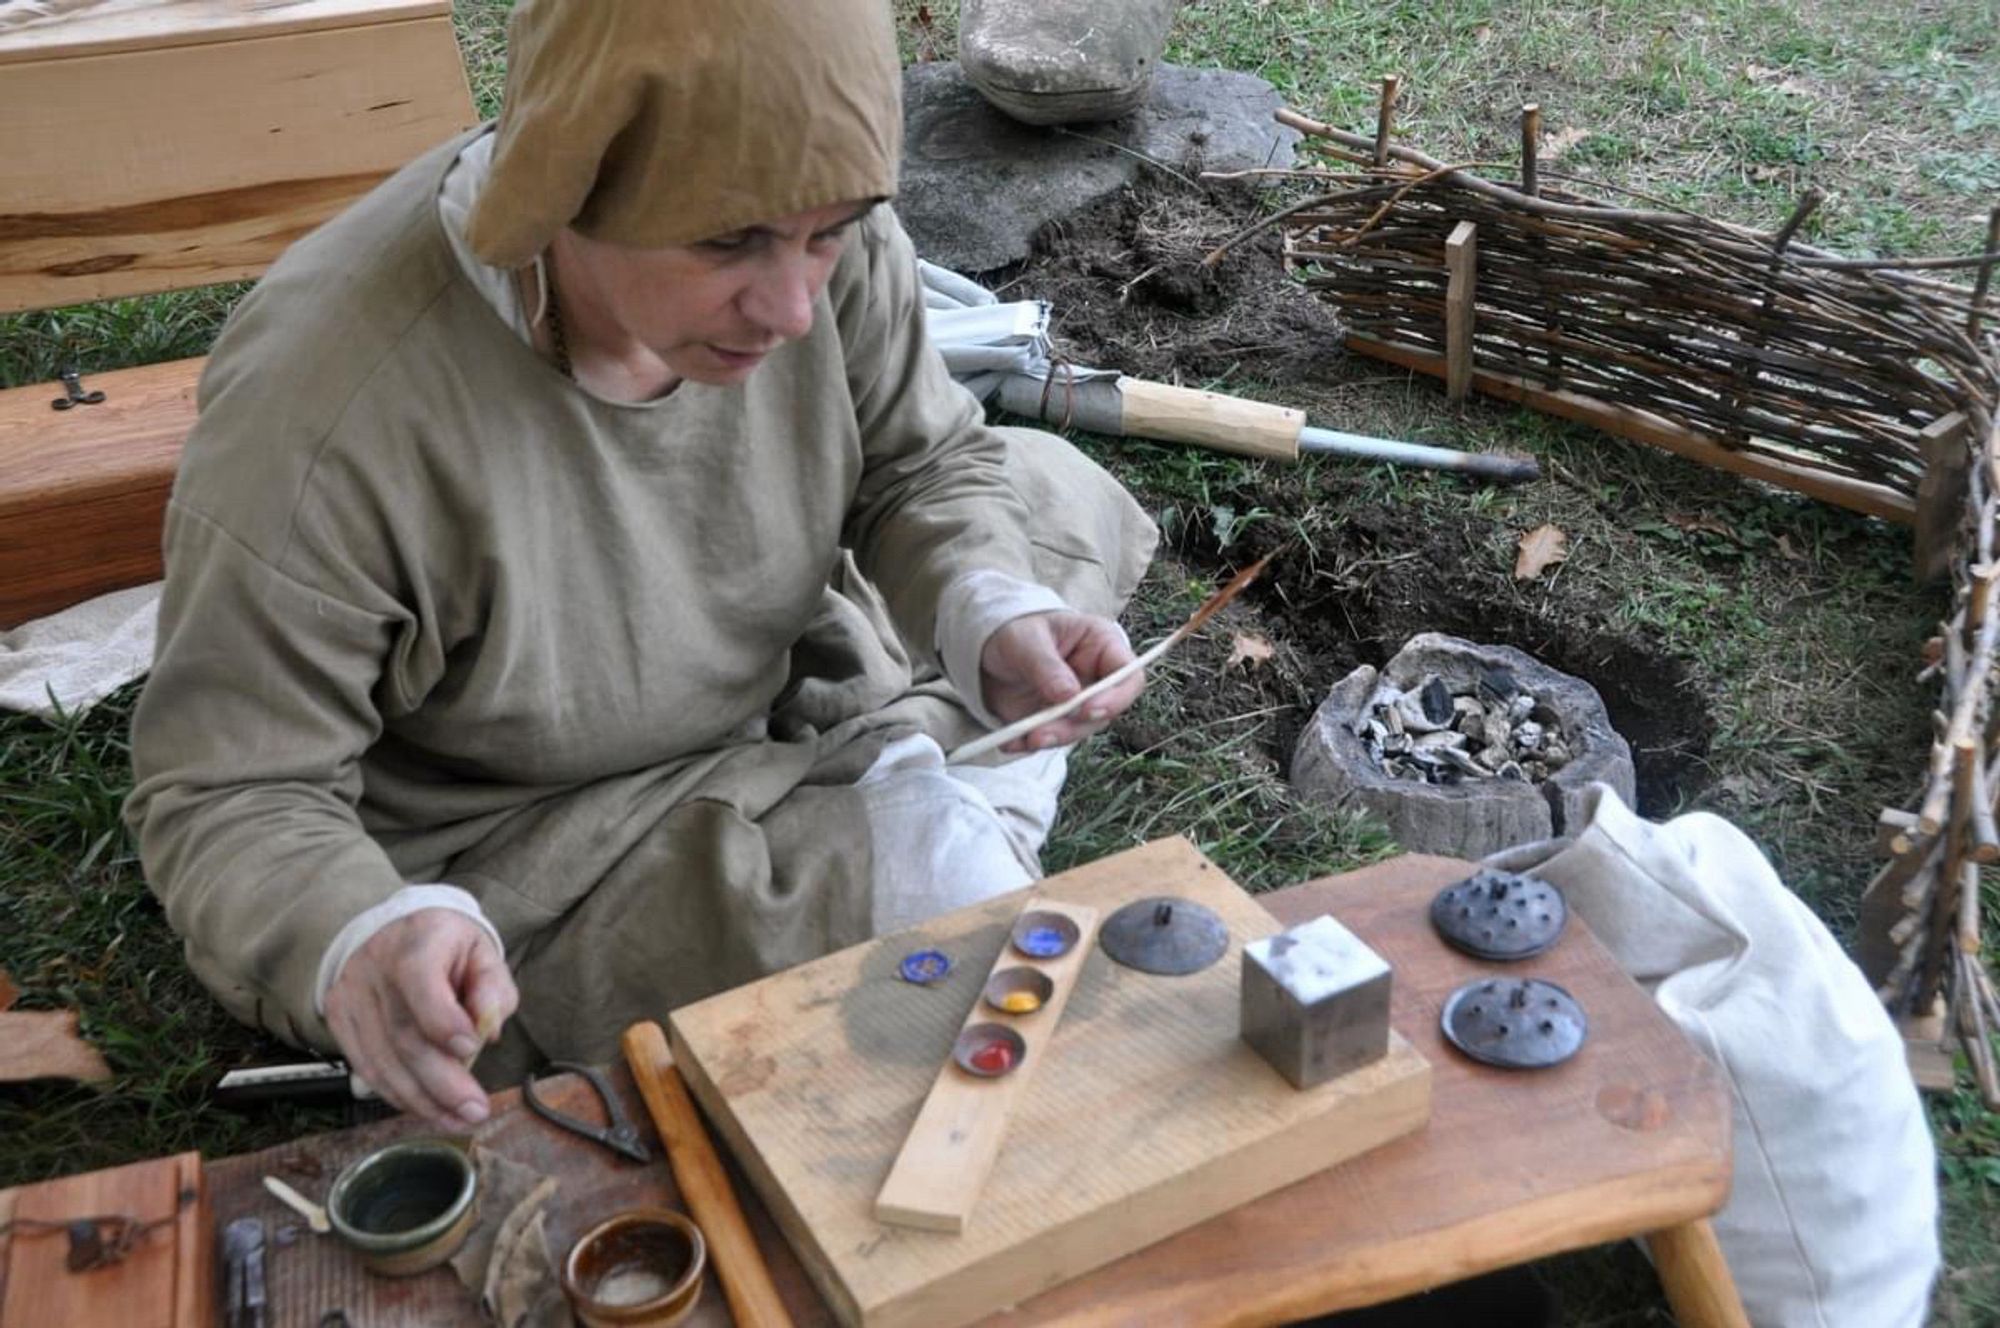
(1040, 659)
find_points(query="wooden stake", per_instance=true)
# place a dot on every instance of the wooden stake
(1750, 368)
(1985, 836)
(1984, 281)
(1461, 259)
(1531, 149)
(704, 1185)
(1385, 117)
(1978, 1038)
(1940, 494)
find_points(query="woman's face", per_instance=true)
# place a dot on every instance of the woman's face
(712, 311)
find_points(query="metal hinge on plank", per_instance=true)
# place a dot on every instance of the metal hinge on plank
(73, 393)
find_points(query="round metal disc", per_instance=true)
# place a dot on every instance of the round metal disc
(1165, 935)
(1516, 1023)
(1500, 915)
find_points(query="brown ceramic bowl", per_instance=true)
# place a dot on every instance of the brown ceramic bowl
(640, 1269)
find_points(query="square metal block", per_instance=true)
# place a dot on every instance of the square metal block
(1315, 1001)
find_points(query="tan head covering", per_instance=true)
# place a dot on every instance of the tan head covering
(661, 122)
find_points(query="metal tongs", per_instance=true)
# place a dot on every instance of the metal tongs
(619, 1134)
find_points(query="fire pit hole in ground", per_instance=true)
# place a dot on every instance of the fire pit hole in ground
(1462, 748)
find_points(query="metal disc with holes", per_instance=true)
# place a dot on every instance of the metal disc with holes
(1516, 1023)
(1500, 915)
(1165, 935)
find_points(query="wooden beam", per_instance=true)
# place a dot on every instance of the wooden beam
(1646, 427)
(98, 31)
(1940, 495)
(1461, 261)
(1385, 118)
(228, 163)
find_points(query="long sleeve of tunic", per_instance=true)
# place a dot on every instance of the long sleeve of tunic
(419, 583)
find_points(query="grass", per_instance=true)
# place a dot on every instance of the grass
(1795, 621)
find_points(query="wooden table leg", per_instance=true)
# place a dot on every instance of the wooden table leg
(1695, 1278)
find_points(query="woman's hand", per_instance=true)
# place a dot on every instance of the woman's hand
(1041, 659)
(408, 1008)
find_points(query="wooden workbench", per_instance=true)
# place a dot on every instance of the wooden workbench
(1631, 1137)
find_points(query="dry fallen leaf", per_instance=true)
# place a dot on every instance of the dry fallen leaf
(1790, 550)
(8, 991)
(1562, 141)
(1250, 649)
(1707, 522)
(1541, 546)
(44, 1044)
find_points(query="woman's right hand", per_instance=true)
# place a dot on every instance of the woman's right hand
(407, 1010)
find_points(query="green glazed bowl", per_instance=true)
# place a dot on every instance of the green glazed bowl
(405, 1208)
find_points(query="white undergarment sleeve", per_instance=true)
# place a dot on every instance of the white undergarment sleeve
(410, 899)
(972, 608)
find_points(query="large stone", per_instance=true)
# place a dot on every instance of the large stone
(1050, 62)
(977, 186)
(1477, 816)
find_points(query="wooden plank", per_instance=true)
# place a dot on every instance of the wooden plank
(1646, 427)
(1461, 257)
(1883, 908)
(1931, 1065)
(1940, 495)
(83, 492)
(228, 164)
(124, 25)
(163, 1281)
(936, 1179)
(1151, 1115)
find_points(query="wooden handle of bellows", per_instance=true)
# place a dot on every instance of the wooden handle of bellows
(1228, 424)
(746, 1280)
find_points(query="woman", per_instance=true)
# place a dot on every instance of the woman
(582, 563)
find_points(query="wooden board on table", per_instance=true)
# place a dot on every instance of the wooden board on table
(164, 1281)
(248, 139)
(1150, 1115)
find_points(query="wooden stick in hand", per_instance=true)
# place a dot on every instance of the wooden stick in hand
(746, 1280)
(1022, 727)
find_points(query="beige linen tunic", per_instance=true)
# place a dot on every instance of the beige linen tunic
(433, 613)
